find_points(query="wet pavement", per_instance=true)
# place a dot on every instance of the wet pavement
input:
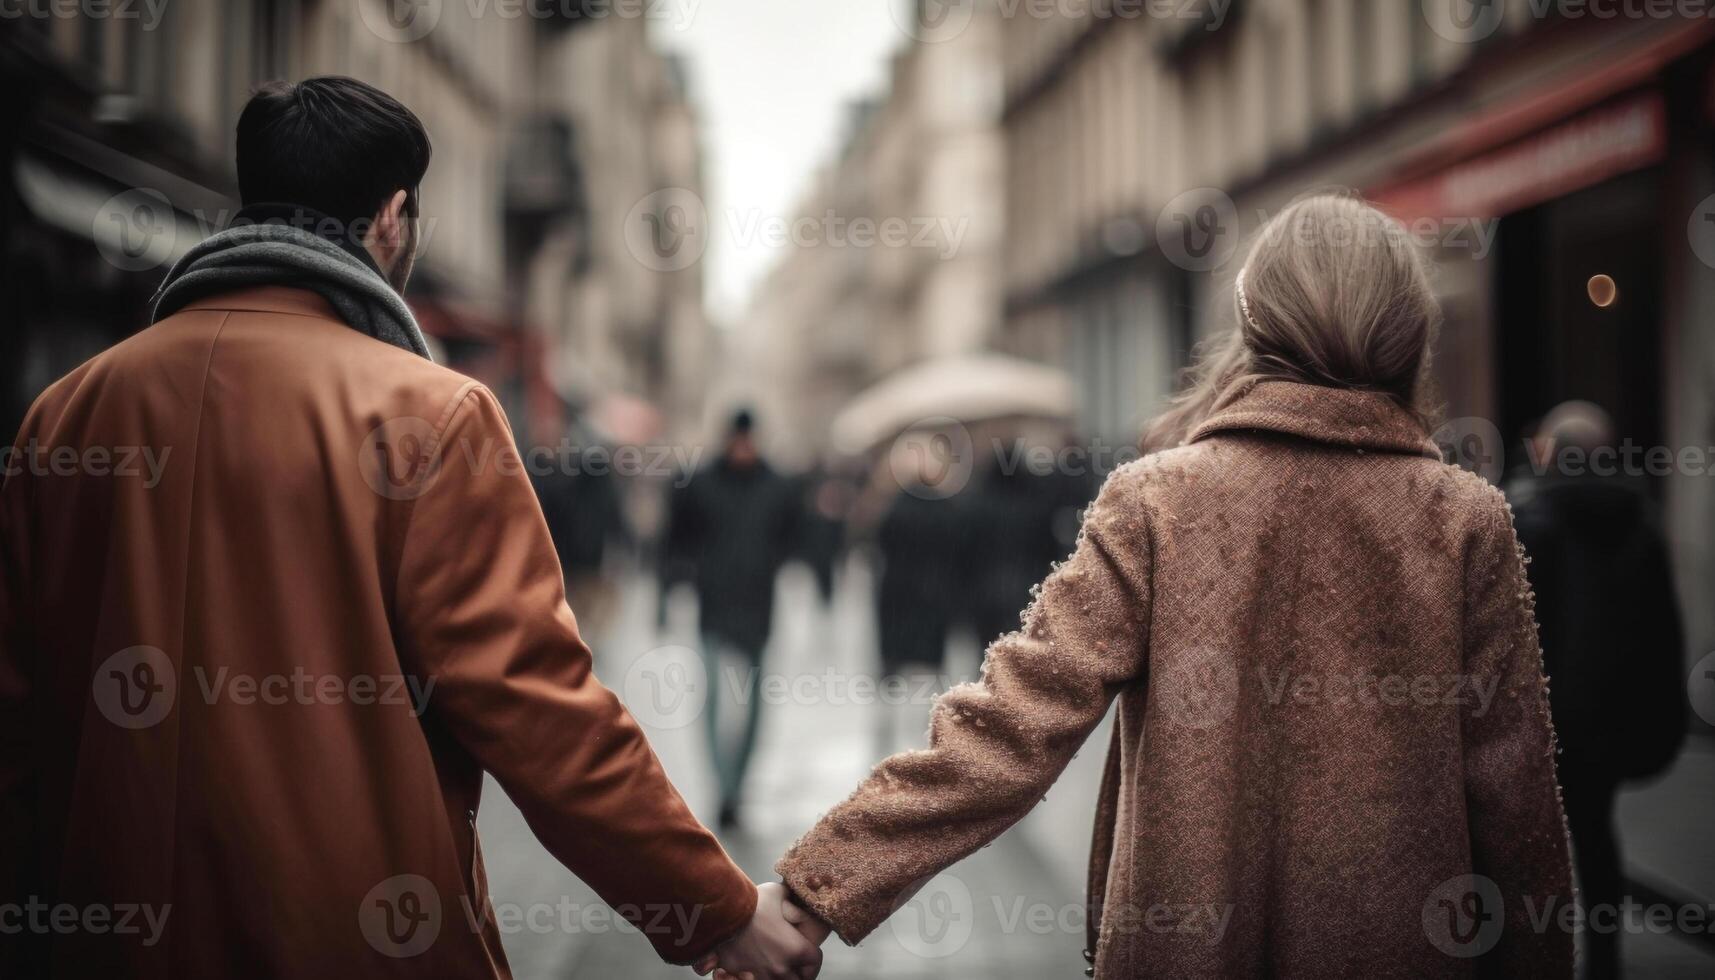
(1013, 910)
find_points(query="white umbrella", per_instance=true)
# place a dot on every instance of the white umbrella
(964, 388)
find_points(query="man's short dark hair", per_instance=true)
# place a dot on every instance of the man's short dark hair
(330, 143)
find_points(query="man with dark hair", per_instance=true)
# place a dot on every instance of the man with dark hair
(248, 695)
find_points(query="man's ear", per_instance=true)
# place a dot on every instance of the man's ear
(390, 231)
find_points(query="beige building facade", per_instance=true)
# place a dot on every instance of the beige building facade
(1530, 148)
(546, 128)
(899, 259)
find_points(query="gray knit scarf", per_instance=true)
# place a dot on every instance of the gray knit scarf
(261, 249)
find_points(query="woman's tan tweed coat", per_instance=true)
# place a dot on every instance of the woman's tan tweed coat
(1333, 727)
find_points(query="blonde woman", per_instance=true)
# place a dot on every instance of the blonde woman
(1332, 722)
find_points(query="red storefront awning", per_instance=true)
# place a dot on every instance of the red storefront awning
(1568, 133)
(1582, 151)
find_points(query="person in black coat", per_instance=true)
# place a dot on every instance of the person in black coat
(1019, 520)
(918, 541)
(1612, 641)
(729, 529)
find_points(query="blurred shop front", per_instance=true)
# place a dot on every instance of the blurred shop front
(1564, 179)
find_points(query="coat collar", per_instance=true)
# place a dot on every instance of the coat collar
(1363, 420)
(268, 299)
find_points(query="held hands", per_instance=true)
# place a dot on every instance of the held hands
(782, 942)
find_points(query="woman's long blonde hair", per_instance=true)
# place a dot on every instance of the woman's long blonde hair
(1334, 293)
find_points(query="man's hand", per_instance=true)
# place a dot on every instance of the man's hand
(771, 947)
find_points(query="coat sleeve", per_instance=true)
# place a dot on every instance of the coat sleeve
(1517, 827)
(995, 746)
(481, 609)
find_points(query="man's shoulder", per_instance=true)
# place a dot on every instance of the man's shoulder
(286, 362)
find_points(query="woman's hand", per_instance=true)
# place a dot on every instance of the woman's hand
(772, 947)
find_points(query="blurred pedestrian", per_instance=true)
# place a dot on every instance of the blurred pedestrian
(730, 526)
(586, 521)
(1611, 639)
(1256, 599)
(258, 686)
(825, 501)
(1013, 522)
(919, 543)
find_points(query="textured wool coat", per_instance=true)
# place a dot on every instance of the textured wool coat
(251, 692)
(1332, 728)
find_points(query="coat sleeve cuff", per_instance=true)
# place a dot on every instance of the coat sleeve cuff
(814, 890)
(718, 923)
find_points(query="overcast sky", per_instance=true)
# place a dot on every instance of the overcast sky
(771, 80)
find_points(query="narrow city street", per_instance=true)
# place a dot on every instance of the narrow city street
(1013, 910)
(1003, 913)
